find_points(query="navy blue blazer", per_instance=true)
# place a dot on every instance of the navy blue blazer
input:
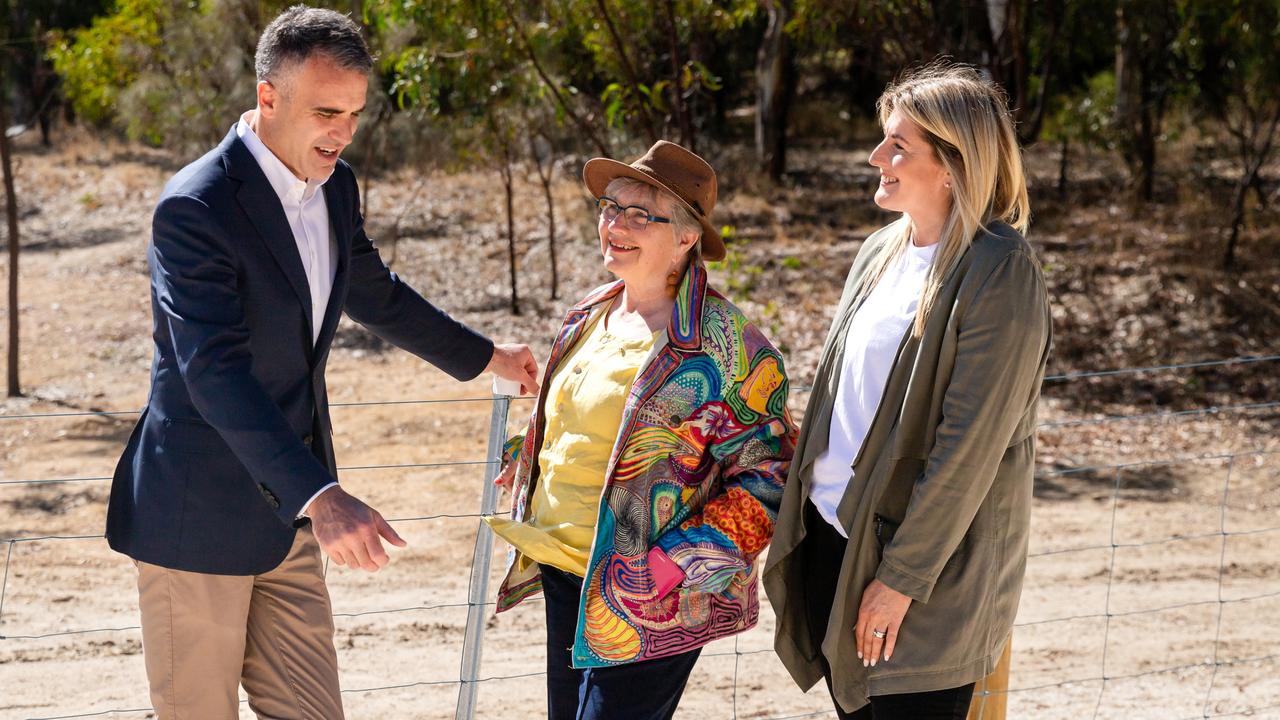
(236, 437)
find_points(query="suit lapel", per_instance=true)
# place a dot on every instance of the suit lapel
(263, 207)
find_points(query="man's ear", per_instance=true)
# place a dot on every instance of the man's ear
(268, 98)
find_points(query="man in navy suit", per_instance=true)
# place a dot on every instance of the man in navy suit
(226, 494)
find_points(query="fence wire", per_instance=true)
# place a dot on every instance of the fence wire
(1104, 680)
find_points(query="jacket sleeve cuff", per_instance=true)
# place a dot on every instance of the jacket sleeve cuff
(904, 582)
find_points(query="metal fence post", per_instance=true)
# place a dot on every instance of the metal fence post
(473, 640)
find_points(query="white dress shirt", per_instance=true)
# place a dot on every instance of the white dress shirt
(875, 333)
(308, 214)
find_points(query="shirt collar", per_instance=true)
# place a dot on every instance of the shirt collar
(283, 181)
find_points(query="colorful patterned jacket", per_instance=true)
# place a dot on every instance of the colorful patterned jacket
(697, 470)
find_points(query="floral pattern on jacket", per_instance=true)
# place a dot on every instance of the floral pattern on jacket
(697, 470)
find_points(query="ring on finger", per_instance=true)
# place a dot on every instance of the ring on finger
(879, 633)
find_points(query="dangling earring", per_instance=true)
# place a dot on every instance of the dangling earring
(673, 282)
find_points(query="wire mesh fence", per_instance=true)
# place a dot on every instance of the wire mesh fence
(1139, 640)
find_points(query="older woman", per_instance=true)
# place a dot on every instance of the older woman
(902, 537)
(649, 477)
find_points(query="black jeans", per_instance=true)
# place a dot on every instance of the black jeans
(646, 690)
(823, 542)
(949, 704)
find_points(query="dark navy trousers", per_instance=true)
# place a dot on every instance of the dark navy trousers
(645, 690)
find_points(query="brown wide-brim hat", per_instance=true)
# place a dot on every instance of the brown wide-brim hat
(671, 168)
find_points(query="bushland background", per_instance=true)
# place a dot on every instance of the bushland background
(1149, 130)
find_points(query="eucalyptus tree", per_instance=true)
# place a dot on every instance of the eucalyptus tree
(1147, 75)
(461, 64)
(170, 73)
(31, 26)
(1234, 50)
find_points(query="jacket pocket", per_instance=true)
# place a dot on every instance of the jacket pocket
(191, 436)
(885, 529)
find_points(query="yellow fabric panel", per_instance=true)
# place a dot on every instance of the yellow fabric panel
(583, 413)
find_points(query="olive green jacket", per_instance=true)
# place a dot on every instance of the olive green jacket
(948, 460)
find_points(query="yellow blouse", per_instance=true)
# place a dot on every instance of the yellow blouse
(583, 414)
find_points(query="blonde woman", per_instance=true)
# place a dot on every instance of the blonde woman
(901, 543)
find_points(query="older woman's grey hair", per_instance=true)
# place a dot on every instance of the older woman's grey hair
(683, 222)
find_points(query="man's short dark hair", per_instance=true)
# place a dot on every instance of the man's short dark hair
(301, 31)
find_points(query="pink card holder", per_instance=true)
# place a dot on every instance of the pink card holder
(666, 574)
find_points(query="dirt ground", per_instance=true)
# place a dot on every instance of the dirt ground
(1160, 576)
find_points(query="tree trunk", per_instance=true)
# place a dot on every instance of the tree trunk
(545, 175)
(1252, 158)
(1237, 221)
(1126, 71)
(1030, 122)
(1260, 192)
(46, 127)
(11, 211)
(1062, 166)
(775, 87)
(677, 91)
(504, 169)
(1140, 46)
(997, 18)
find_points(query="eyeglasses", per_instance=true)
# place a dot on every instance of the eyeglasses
(638, 218)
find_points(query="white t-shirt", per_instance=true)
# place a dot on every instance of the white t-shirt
(875, 333)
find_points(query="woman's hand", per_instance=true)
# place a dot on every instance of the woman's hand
(507, 475)
(882, 610)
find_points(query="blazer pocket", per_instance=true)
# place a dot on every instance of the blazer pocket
(192, 436)
(885, 529)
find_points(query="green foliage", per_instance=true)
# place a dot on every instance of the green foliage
(590, 74)
(98, 62)
(462, 67)
(1233, 50)
(166, 72)
(1085, 115)
(740, 276)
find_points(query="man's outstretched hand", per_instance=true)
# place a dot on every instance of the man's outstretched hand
(515, 363)
(351, 532)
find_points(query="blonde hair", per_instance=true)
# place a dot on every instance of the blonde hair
(966, 121)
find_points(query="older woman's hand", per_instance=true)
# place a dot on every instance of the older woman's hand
(882, 609)
(505, 477)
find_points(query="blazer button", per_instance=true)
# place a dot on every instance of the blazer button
(307, 441)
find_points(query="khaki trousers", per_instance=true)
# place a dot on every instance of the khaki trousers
(204, 635)
(993, 706)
